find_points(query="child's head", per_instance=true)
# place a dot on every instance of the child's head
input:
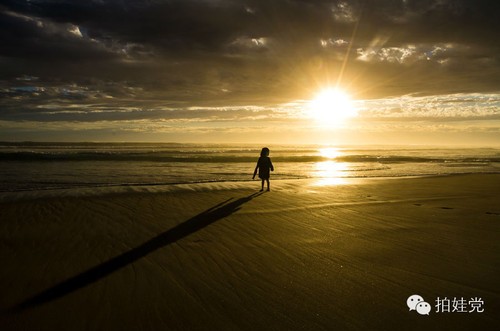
(264, 152)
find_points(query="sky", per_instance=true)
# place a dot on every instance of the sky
(423, 72)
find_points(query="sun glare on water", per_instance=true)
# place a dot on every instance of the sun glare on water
(330, 172)
(329, 152)
(332, 107)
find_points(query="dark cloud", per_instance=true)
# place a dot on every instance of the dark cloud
(215, 52)
(176, 27)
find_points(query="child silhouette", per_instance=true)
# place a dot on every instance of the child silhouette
(264, 165)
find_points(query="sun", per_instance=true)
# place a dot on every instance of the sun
(332, 107)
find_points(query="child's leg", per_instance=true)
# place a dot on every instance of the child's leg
(268, 183)
(262, 188)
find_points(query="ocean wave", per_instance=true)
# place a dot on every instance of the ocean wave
(210, 157)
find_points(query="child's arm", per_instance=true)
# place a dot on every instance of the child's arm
(271, 164)
(255, 171)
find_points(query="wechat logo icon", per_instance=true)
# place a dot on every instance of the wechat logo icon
(416, 302)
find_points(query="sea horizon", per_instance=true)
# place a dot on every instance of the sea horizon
(26, 166)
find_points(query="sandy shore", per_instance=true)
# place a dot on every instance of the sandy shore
(224, 257)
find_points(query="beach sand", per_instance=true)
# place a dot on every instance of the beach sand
(305, 256)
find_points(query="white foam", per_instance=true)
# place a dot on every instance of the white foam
(124, 189)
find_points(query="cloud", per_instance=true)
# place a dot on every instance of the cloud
(459, 107)
(228, 60)
(37, 38)
(208, 25)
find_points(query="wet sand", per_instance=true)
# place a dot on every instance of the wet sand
(304, 256)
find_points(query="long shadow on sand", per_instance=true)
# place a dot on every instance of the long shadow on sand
(100, 271)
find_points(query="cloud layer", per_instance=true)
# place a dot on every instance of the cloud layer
(229, 60)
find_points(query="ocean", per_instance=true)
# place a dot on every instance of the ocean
(33, 166)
